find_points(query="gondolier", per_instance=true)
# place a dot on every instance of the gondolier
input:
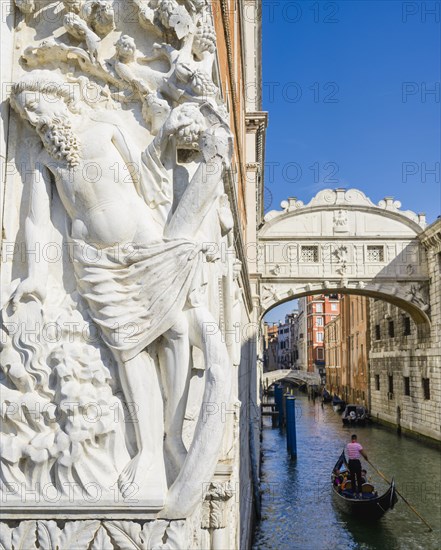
(371, 505)
(354, 451)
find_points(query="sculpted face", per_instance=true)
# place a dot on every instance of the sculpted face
(50, 116)
(125, 47)
(34, 106)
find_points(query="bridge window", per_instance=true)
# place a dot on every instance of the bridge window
(377, 382)
(377, 332)
(406, 326)
(310, 254)
(406, 380)
(426, 388)
(375, 253)
(391, 329)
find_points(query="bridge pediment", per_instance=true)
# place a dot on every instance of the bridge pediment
(341, 241)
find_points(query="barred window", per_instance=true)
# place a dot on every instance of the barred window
(310, 254)
(391, 329)
(406, 385)
(426, 388)
(375, 253)
(377, 382)
(377, 332)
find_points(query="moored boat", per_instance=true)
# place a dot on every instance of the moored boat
(326, 396)
(337, 403)
(355, 415)
(370, 505)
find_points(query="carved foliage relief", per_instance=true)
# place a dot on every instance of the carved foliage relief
(107, 278)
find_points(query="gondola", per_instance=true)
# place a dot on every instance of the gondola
(337, 403)
(355, 415)
(326, 396)
(370, 506)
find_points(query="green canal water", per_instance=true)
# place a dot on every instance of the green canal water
(297, 505)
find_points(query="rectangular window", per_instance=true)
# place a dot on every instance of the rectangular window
(377, 382)
(310, 254)
(319, 308)
(319, 337)
(426, 388)
(377, 332)
(406, 331)
(334, 307)
(320, 353)
(391, 329)
(406, 380)
(375, 253)
(319, 321)
(391, 383)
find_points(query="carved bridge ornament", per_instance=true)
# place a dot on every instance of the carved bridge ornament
(121, 142)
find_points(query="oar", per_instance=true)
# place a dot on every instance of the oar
(398, 493)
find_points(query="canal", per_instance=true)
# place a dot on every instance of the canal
(297, 507)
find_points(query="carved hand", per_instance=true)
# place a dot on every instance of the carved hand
(29, 287)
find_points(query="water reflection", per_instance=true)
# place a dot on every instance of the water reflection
(297, 507)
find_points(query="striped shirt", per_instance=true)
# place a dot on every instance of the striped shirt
(353, 450)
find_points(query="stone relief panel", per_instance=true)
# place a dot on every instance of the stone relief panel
(95, 535)
(116, 232)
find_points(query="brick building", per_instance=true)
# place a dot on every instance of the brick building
(320, 310)
(347, 342)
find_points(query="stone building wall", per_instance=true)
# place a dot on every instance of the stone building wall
(402, 358)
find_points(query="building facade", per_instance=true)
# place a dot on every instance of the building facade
(271, 347)
(333, 353)
(320, 310)
(405, 362)
(347, 342)
(300, 336)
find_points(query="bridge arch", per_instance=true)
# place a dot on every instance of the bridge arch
(342, 243)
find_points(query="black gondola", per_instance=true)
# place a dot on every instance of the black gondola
(326, 396)
(355, 415)
(337, 403)
(370, 506)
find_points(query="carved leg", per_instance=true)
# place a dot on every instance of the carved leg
(203, 454)
(174, 359)
(144, 476)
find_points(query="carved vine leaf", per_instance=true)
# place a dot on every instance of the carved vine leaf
(102, 541)
(78, 534)
(24, 536)
(48, 535)
(153, 534)
(125, 534)
(5, 537)
(176, 535)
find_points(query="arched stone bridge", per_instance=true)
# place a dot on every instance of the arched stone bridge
(299, 376)
(341, 242)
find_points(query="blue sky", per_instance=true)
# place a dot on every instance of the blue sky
(347, 87)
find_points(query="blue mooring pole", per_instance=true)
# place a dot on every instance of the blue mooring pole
(291, 426)
(278, 398)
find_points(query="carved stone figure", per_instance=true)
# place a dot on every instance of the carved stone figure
(417, 294)
(341, 222)
(135, 268)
